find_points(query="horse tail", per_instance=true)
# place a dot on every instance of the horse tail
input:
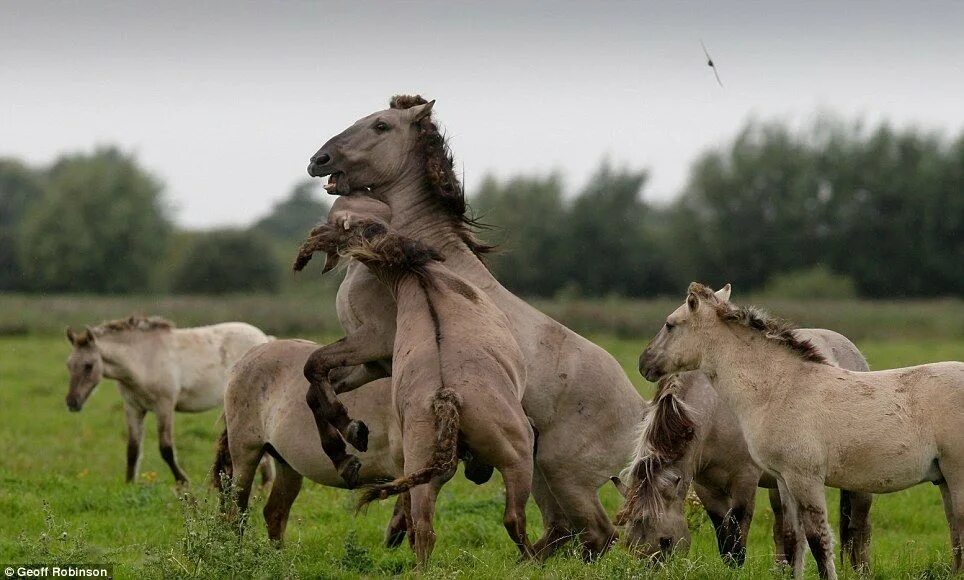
(447, 408)
(223, 467)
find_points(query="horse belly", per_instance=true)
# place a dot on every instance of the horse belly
(881, 466)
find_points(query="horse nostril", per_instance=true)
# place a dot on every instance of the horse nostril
(321, 159)
(665, 544)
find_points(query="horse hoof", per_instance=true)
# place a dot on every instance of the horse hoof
(357, 435)
(349, 471)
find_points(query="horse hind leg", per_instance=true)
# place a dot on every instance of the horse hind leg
(398, 525)
(284, 490)
(855, 528)
(518, 485)
(423, 514)
(558, 531)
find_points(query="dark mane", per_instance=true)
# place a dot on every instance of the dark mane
(139, 323)
(771, 327)
(440, 174)
(371, 243)
(668, 431)
(774, 329)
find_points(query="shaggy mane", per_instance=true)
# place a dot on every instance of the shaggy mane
(666, 434)
(440, 174)
(140, 323)
(370, 242)
(771, 327)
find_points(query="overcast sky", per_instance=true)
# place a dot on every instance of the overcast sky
(225, 101)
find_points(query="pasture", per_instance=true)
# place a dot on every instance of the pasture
(63, 499)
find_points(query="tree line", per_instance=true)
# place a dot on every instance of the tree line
(837, 209)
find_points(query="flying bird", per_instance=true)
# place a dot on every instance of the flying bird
(709, 63)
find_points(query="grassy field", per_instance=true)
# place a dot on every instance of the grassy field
(62, 498)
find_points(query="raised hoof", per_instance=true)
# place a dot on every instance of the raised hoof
(348, 471)
(477, 471)
(357, 435)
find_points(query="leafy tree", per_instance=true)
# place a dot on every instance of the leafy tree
(20, 187)
(102, 227)
(292, 218)
(606, 245)
(227, 261)
(528, 215)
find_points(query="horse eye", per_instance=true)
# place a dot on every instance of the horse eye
(670, 326)
(381, 126)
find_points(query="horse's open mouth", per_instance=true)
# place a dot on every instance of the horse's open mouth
(338, 184)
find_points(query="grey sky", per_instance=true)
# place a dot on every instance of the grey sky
(226, 101)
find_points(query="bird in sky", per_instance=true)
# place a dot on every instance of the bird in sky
(709, 63)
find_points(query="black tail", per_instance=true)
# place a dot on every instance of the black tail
(223, 468)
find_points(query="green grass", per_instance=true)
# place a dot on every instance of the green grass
(74, 464)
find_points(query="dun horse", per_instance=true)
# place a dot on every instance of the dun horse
(691, 435)
(578, 397)
(810, 424)
(457, 377)
(158, 368)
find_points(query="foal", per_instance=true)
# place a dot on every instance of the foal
(158, 368)
(691, 435)
(457, 377)
(810, 424)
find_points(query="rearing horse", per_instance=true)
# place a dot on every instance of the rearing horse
(583, 406)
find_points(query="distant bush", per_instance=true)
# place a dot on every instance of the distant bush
(227, 261)
(818, 283)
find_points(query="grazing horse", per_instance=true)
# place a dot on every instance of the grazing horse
(691, 436)
(457, 377)
(580, 401)
(158, 368)
(810, 424)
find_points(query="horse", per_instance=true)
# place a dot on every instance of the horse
(691, 436)
(809, 424)
(265, 415)
(158, 368)
(457, 378)
(580, 401)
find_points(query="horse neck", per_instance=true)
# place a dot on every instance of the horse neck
(417, 214)
(125, 355)
(748, 370)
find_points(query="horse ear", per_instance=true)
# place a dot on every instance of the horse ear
(692, 301)
(419, 112)
(724, 293)
(620, 486)
(90, 335)
(71, 336)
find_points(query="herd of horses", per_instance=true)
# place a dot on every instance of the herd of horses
(442, 364)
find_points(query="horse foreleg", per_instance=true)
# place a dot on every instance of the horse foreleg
(811, 504)
(954, 510)
(135, 436)
(165, 436)
(791, 535)
(355, 349)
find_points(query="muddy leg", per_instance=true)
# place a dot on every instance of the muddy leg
(855, 528)
(165, 436)
(557, 530)
(398, 525)
(740, 516)
(794, 542)
(954, 510)
(355, 349)
(347, 465)
(135, 436)
(808, 493)
(284, 491)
